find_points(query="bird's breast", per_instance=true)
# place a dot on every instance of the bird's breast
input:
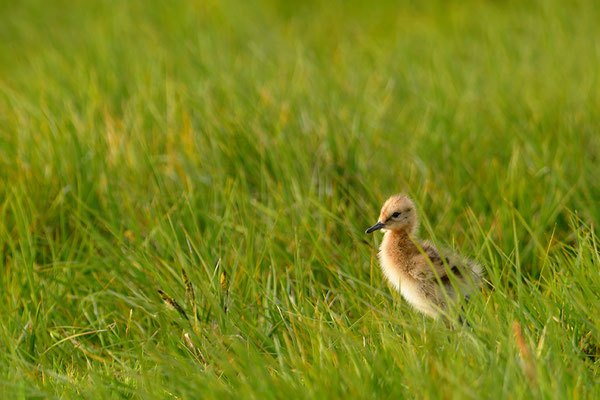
(393, 261)
(390, 269)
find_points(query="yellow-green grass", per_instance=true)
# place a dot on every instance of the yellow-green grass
(250, 144)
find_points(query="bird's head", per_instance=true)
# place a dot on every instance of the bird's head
(397, 214)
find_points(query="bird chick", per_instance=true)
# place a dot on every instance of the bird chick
(427, 279)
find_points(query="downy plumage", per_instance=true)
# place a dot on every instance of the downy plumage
(427, 278)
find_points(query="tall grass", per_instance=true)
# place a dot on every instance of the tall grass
(230, 154)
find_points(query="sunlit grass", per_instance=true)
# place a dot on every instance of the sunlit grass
(247, 147)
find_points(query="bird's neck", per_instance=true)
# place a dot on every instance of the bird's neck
(399, 243)
(396, 251)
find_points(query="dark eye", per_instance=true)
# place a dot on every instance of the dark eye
(396, 214)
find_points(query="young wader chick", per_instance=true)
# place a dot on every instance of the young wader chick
(426, 278)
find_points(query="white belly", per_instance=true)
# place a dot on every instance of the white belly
(407, 286)
(412, 293)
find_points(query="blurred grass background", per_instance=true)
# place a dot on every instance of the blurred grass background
(250, 144)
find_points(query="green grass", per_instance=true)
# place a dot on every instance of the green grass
(250, 144)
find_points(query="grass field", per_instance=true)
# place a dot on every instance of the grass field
(249, 144)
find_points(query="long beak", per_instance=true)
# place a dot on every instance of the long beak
(375, 227)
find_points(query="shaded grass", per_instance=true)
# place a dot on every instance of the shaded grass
(249, 146)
